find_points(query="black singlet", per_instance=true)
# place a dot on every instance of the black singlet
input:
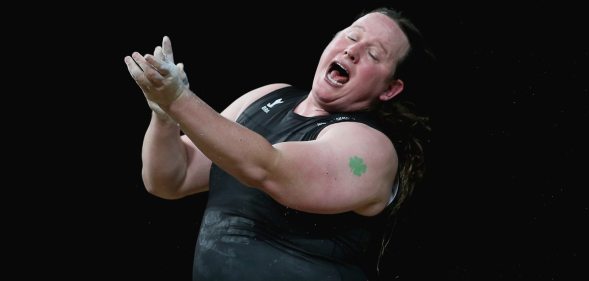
(246, 235)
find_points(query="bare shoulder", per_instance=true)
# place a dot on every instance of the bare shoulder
(258, 93)
(369, 161)
(240, 104)
(264, 90)
(360, 139)
(358, 133)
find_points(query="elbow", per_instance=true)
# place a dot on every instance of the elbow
(261, 176)
(161, 190)
(255, 178)
(163, 193)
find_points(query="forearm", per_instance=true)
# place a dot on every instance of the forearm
(164, 157)
(239, 151)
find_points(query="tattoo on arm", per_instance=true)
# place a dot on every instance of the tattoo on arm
(357, 165)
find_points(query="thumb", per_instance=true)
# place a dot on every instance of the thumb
(183, 74)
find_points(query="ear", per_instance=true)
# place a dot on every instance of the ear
(394, 88)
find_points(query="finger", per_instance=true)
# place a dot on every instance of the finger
(149, 74)
(158, 65)
(167, 49)
(158, 53)
(141, 62)
(137, 73)
(133, 68)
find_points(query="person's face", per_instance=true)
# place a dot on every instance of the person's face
(356, 67)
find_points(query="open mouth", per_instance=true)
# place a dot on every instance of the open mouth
(337, 74)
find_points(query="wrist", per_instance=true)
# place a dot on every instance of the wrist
(180, 104)
(163, 119)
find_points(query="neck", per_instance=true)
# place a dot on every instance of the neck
(309, 108)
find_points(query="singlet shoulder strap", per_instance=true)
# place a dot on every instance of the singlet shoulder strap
(289, 92)
(360, 117)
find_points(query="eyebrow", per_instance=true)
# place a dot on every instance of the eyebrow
(378, 42)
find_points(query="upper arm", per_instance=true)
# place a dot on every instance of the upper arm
(349, 167)
(196, 177)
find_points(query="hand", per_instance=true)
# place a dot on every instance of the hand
(161, 81)
(157, 109)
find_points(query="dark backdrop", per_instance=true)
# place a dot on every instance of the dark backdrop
(502, 200)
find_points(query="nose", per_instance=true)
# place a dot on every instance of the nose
(350, 53)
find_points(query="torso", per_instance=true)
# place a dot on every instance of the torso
(246, 235)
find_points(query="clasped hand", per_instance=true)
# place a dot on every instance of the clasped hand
(161, 81)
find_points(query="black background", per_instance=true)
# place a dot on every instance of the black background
(503, 198)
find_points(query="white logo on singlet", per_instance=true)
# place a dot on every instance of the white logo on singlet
(266, 108)
(278, 101)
